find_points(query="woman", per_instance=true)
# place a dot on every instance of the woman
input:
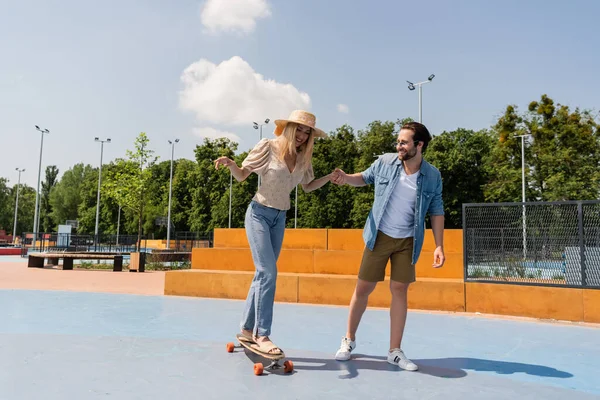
(282, 163)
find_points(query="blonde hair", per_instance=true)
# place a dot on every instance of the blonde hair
(287, 145)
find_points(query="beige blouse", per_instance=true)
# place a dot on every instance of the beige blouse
(276, 180)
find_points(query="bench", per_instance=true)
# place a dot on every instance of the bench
(36, 260)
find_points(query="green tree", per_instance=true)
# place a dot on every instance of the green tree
(460, 156)
(128, 180)
(328, 206)
(65, 197)
(572, 139)
(562, 154)
(211, 185)
(46, 221)
(504, 162)
(5, 201)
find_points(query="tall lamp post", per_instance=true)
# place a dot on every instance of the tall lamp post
(172, 143)
(523, 199)
(230, 190)
(107, 140)
(259, 127)
(37, 193)
(411, 86)
(14, 232)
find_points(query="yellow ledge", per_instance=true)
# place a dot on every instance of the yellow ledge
(337, 262)
(426, 294)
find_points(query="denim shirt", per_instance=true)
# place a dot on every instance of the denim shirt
(385, 173)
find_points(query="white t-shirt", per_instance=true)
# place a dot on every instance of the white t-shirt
(399, 215)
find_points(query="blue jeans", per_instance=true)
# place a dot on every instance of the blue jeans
(265, 227)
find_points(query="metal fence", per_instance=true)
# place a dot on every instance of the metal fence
(80, 243)
(185, 241)
(536, 243)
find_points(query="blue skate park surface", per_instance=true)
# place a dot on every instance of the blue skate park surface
(77, 345)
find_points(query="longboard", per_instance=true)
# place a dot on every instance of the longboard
(276, 361)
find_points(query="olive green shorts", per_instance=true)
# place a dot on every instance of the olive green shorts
(398, 251)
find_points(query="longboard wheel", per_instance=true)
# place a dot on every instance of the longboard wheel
(288, 366)
(258, 369)
(230, 347)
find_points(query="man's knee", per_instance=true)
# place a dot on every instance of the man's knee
(399, 289)
(364, 288)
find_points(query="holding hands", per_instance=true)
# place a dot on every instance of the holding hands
(338, 177)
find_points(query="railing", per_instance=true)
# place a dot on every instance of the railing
(185, 241)
(80, 243)
(536, 243)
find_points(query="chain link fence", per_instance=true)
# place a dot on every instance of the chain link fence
(541, 243)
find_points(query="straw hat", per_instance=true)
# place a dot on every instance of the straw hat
(299, 117)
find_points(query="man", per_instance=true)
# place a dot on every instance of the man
(406, 189)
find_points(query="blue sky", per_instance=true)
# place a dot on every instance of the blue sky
(187, 69)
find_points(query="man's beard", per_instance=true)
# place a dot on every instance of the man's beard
(407, 155)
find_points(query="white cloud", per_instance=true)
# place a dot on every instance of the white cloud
(212, 133)
(343, 108)
(232, 93)
(233, 15)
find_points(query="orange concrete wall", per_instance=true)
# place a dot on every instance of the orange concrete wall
(591, 305)
(336, 251)
(161, 244)
(316, 261)
(444, 295)
(531, 301)
(300, 261)
(324, 264)
(345, 239)
(292, 239)
(581, 305)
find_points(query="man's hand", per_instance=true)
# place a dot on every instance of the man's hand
(438, 257)
(338, 177)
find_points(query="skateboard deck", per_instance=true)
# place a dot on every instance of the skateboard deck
(276, 361)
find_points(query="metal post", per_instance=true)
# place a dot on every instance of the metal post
(259, 127)
(230, 190)
(523, 198)
(581, 243)
(420, 103)
(14, 232)
(411, 86)
(170, 190)
(37, 193)
(99, 187)
(118, 224)
(296, 209)
(259, 139)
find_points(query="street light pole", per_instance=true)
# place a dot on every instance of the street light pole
(37, 193)
(296, 209)
(523, 199)
(14, 232)
(170, 191)
(230, 190)
(118, 225)
(259, 127)
(411, 86)
(99, 185)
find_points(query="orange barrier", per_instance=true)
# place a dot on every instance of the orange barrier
(320, 266)
(433, 294)
(292, 239)
(322, 251)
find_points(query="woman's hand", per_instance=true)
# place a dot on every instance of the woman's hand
(226, 161)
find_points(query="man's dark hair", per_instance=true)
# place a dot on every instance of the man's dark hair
(420, 133)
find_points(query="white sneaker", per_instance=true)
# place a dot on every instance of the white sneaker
(397, 357)
(345, 349)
